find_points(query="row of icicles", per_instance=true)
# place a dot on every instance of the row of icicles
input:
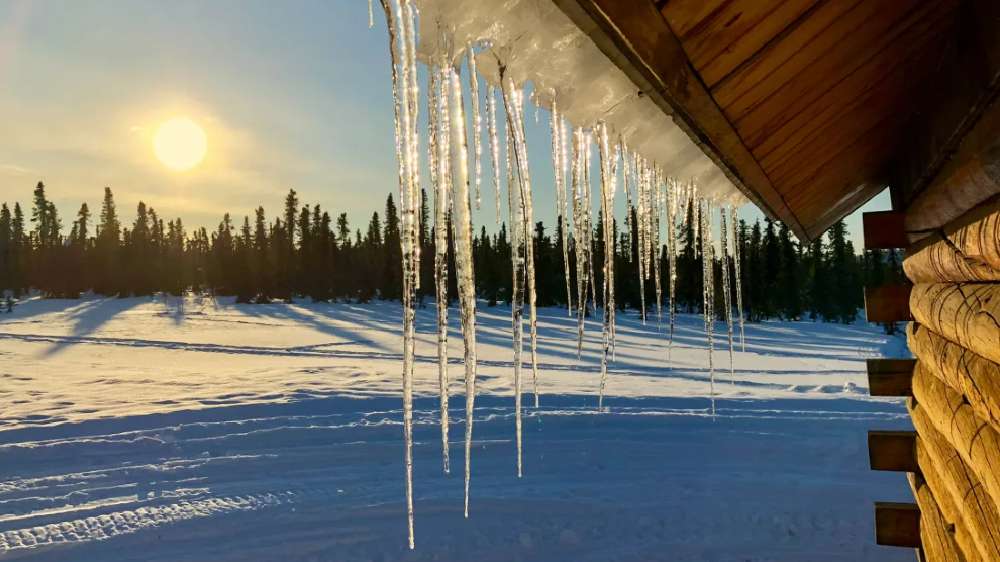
(457, 186)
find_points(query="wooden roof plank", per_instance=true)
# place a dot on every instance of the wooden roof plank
(637, 39)
(870, 40)
(731, 32)
(762, 74)
(872, 89)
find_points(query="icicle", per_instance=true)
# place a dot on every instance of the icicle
(514, 108)
(724, 243)
(588, 216)
(643, 231)
(558, 154)
(517, 284)
(477, 123)
(579, 235)
(737, 249)
(657, 199)
(672, 256)
(462, 227)
(491, 123)
(404, 88)
(437, 128)
(607, 210)
(708, 288)
(529, 226)
(626, 177)
(371, 15)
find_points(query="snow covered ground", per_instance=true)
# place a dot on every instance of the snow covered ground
(196, 429)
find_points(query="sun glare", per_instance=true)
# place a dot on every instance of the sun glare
(180, 144)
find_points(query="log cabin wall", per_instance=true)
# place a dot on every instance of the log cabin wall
(952, 235)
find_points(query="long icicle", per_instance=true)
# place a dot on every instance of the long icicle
(514, 108)
(400, 19)
(727, 298)
(491, 124)
(657, 197)
(477, 123)
(579, 237)
(588, 215)
(560, 180)
(737, 251)
(462, 226)
(607, 208)
(672, 257)
(708, 298)
(438, 133)
(641, 224)
(517, 284)
(524, 176)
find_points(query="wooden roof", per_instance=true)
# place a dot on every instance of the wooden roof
(810, 106)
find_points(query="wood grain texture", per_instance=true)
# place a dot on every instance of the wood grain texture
(959, 493)
(967, 314)
(966, 251)
(938, 543)
(976, 442)
(719, 36)
(971, 375)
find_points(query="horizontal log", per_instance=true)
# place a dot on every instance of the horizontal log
(976, 441)
(969, 179)
(936, 540)
(968, 250)
(890, 377)
(897, 524)
(884, 230)
(965, 372)
(964, 313)
(892, 450)
(888, 303)
(959, 493)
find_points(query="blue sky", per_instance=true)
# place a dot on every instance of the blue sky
(290, 94)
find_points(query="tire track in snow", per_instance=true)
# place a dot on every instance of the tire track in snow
(108, 525)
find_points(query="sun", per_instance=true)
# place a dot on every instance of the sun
(180, 144)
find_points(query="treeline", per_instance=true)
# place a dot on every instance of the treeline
(307, 252)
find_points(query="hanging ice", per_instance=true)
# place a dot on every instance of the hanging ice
(401, 22)
(516, 211)
(607, 210)
(438, 158)
(538, 45)
(558, 154)
(726, 297)
(491, 123)
(477, 122)
(737, 249)
(672, 256)
(708, 286)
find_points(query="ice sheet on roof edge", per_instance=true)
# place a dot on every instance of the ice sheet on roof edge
(539, 44)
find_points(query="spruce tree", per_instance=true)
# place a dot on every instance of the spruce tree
(391, 254)
(788, 276)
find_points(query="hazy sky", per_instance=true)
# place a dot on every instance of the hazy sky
(290, 94)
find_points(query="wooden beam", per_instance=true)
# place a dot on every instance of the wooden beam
(894, 451)
(897, 524)
(884, 230)
(888, 303)
(890, 377)
(635, 37)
